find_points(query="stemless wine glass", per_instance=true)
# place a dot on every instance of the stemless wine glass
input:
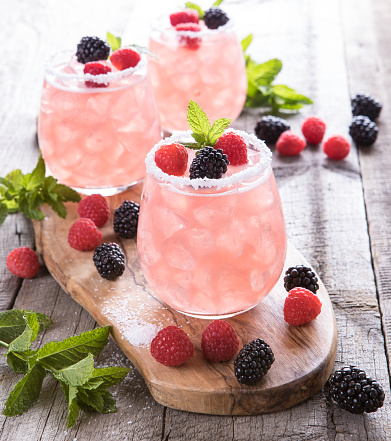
(95, 139)
(208, 66)
(212, 248)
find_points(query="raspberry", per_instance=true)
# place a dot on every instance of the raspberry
(219, 341)
(208, 163)
(215, 17)
(23, 262)
(172, 159)
(96, 208)
(234, 146)
(336, 147)
(96, 69)
(313, 129)
(301, 306)
(172, 346)
(190, 41)
(83, 235)
(92, 49)
(125, 58)
(186, 16)
(289, 144)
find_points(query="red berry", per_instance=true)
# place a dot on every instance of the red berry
(336, 147)
(96, 208)
(186, 16)
(219, 341)
(289, 144)
(313, 129)
(234, 146)
(125, 58)
(96, 69)
(23, 262)
(172, 346)
(172, 159)
(190, 41)
(301, 306)
(83, 235)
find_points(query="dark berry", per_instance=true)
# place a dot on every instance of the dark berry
(215, 17)
(302, 276)
(126, 219)
(209, 163)
(109, 260)
(269, 128)
(366, 105)
(363, 131)
(92, 49)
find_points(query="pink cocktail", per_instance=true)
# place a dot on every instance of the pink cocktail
(212, 247)
(95, 139)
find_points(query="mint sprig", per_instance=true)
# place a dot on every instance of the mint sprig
(70, 361)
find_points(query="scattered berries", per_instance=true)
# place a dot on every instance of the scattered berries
(186, 16)
(83, 235)
(215, 17)
(172, 346)
(219, 341)
(96, 69)
(366, 105)
(209, 163)
(354, 391)
(300, 275)
(92, 49)
(126, 219)
(301, 306)
(253, 361)
(234, 146)
(269, 128)
(190, 41)
(109, 260)
(172, 159)
(96, 208)
(290, 144)
(313, 129)
(125, 58)
(363, 131)
(336, 147)
(23, 262)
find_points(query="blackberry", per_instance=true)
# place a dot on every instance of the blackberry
(126, 219)
(109, 260)
(302, 276)
(366, 105)
(253, 361)
(269, 128)
(363, 131)
(92, 49)
(209, 163)
(354, 391)
(215, 17)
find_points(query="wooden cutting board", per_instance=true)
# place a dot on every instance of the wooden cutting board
(304, 355)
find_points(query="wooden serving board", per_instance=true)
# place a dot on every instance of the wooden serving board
(304, 355)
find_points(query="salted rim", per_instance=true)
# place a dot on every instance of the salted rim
(181, 181)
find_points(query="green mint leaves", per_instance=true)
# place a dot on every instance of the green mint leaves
(25, 193)
(203, 133)
(70, 361)
(116, 42)
(261, 91)
(200, 11)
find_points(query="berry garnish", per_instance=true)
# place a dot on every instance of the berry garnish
(83, 235)
(172, 346)
(209, 163)
(215, 17)
(253, 361)
(23, 262)
(125, 58)
(125, 220)
(366, 105)
(186, 16)
(234, 146)
(354, 391)
(188, 40)
(92, 49)
(363, 131)
(96, 208)
(290, 144)
(269, 128)
(336, 147)
(219, 341)
(172, 159)
(301, 306)
(300, 275)
(313, 129)
(96, 69)
(109, 260)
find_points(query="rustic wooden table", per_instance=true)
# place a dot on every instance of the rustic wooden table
(337, 213)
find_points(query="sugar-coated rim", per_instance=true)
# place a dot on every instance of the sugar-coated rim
(182, 181)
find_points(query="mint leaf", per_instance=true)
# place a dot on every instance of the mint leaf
(15, 179)
(114, 42)
(19, 361)
(217, 3)
(77, 374)
(144, 50)
(290, 95)
(36, 177)
(3, 212)
(73, 407)
(217, 130)
(106, 377)
(200, 11)
(64, 193)
(198, 122)
(246, 42)
(99, 400)
(24, 341)
(265, 73)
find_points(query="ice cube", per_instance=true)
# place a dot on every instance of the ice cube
(200, 241)
(217, 212)
(177, 256)
(135, 123)
(148, 253)
(167, 221)
(98, 140)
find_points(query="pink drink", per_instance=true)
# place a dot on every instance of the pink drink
(212, 248)
(213, 74)
(96, 139)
